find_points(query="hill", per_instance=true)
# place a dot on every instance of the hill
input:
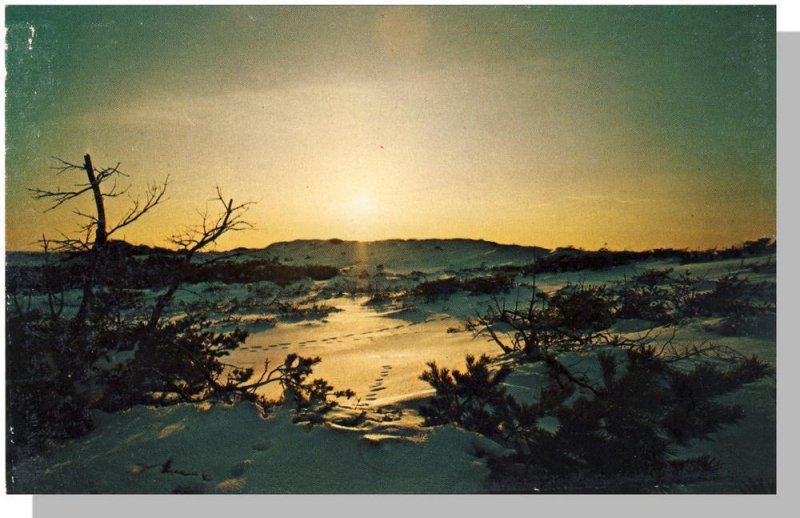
(400, 255)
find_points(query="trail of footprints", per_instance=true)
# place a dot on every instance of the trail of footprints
(352, 336)
(377, 385)
(239, 469)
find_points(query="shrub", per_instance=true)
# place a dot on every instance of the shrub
(43, 377)
(684, 291)
(432, 290)
(570, 318)
(571, 260)
(179, 360)
(613, 433)
(155, 271)
(645, 297)
(580, 311)
(115, 351)
(614, 429)
(732, 295)
(465, 397)
(736, 299)
(500, 282)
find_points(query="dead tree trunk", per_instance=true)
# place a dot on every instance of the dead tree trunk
(93, 255)
(101, 234)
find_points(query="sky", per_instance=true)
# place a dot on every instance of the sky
(623, 127)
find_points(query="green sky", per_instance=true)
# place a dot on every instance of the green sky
(589, 126)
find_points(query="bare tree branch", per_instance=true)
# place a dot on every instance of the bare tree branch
(59, 196)
(194, 239)
(139, 208)
(64, 165)
(211, 228)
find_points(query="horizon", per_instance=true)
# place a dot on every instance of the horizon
(627, 128)
(212, 250)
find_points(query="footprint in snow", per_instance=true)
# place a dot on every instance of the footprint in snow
(377, 385)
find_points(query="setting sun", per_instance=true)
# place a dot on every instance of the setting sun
(431, 118)
(362, 204)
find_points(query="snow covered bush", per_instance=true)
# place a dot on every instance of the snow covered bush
(468, 398)
(570, 318)
(645, 296)
(179, 360)
(498, 282)
(613, 432)
(435, 289)
(43, 375)
(744, 305)
(579, 312)
(606, 410)
(732, 296)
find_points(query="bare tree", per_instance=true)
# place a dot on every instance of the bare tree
(54, 371)
(95, 230)
(195, 238)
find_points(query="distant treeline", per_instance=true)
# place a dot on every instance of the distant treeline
(157, 271)
(573, 259)
(138, 267)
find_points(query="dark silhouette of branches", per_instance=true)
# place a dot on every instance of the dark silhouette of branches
(213, 226)
(96, 178)
(616, 422)
(141, 206)
(95, 232)
(193, 239)
(55, 298)
(56, 369)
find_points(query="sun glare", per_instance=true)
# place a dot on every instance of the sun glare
(362, 205)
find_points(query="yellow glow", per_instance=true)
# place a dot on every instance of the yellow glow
(361, 205)
(400, 122)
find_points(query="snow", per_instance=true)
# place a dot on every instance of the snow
(379, 351)
(379, 355)
(233, 449)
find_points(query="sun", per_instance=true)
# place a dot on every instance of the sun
(362, 204)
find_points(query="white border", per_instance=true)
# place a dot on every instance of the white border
(788, 20)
